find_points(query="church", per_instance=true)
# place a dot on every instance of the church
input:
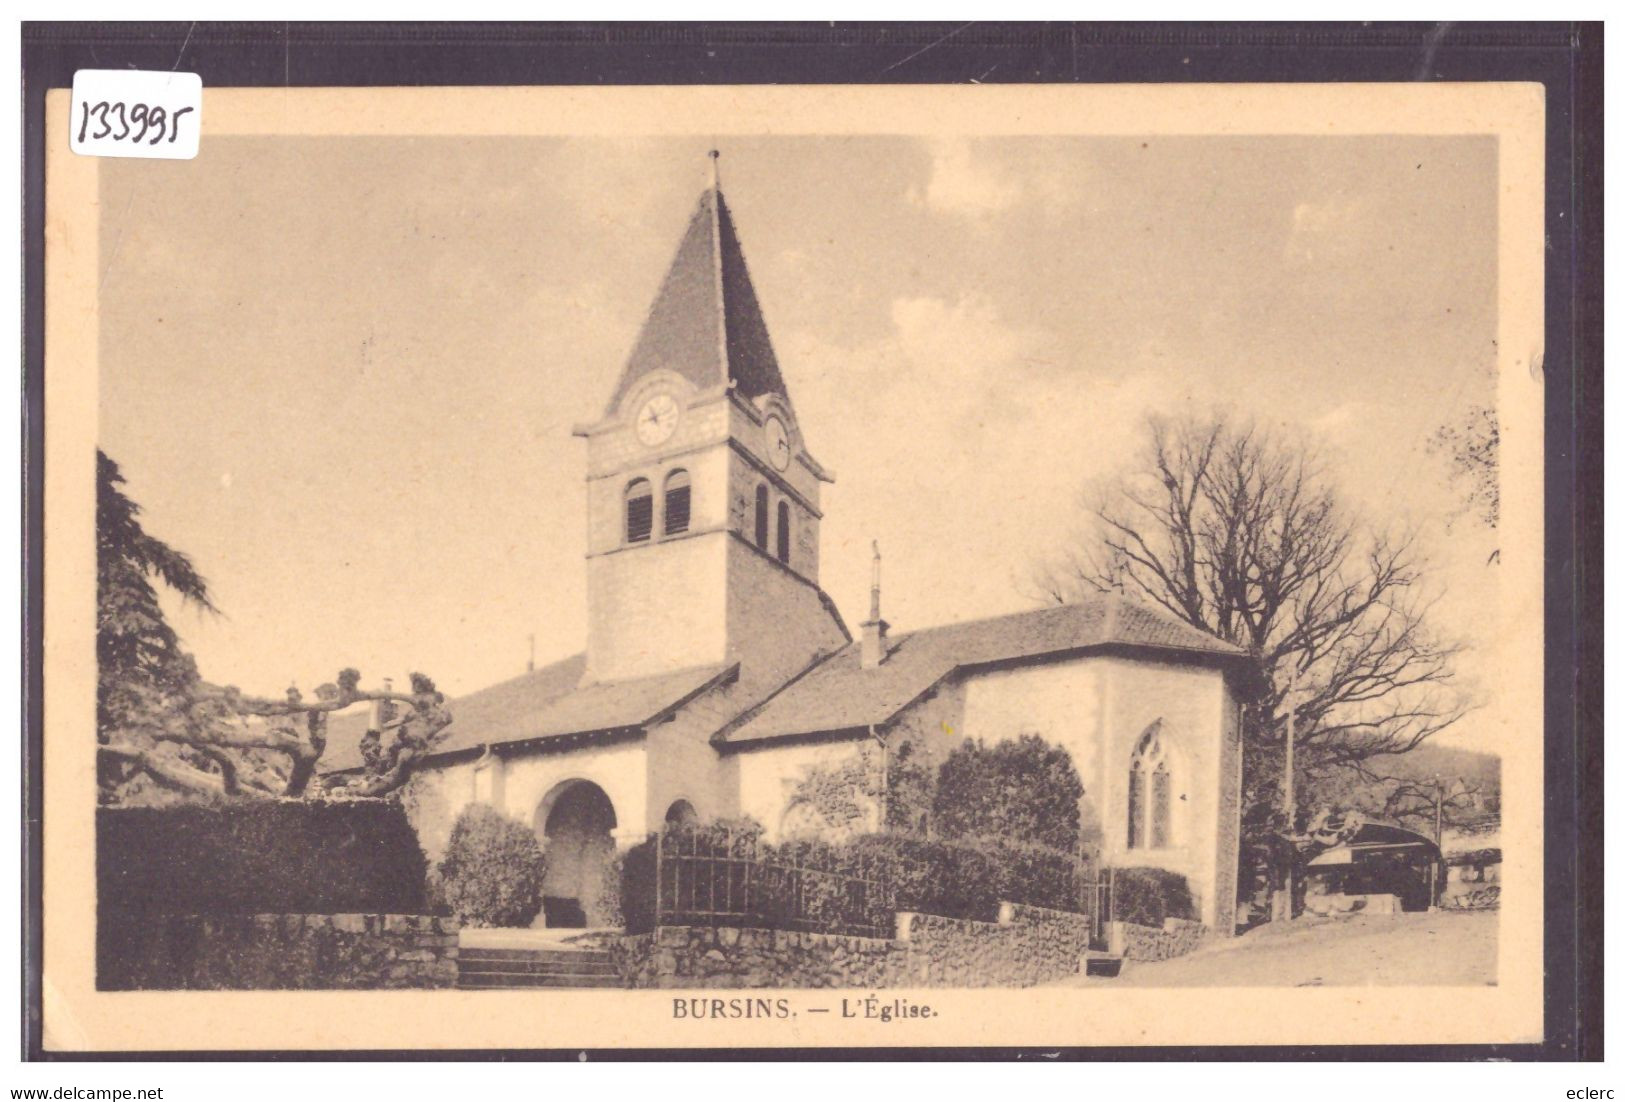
(717, 672)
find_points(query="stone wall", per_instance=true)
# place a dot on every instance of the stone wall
(731, 957)
(1028, 945)
(1481, 897)
(1177, 937)
(251, 952)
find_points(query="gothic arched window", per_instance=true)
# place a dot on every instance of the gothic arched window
(784, 531)
(640, 510)
(677, 502)
(1150, 793)
(761, 518)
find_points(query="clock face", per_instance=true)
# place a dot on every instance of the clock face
(657, 420)
(778, 443)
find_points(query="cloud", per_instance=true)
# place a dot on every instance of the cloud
(963, 440)
(606, 185)
(961, 340)
(976, 181)
(1326, 230)
(1337, 417)
(964, 183)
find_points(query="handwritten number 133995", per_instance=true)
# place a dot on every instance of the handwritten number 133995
(133, 122)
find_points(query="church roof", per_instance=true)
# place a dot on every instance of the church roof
(838, 694)
(706, 323)
(544, 703)
(834, 694)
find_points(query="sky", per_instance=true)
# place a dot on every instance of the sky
(341, 373)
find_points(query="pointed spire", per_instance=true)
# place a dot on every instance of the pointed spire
(716, 269)
(706, 323)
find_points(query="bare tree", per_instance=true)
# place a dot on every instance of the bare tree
(1427, 805)
(1239, 532)
(1419, 802)
(1473, 451)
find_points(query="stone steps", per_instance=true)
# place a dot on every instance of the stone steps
(509, 981)
(488, 969)
(1103, 965)
(552, 956)
(539, 967)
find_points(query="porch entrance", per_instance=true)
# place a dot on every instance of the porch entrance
(574, 821)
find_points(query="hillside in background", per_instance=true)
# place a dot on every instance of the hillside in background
(1446, 763)
(1404, 793)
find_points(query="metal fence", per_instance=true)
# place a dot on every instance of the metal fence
(723, 878)
(1097, 904)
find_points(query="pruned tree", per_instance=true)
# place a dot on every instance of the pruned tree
(217, 742)
(159, 723)
(1240, 532)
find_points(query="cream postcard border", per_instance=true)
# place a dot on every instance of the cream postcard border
(78, 1017)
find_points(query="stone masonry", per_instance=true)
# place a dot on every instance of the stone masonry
(276, 951)
(1027, 946)
(1177, 937)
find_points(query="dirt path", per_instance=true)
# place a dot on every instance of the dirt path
(1445, 948)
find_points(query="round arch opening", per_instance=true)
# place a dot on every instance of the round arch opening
(574, 821)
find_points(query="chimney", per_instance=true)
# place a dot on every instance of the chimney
(874, 628)
(382, 711)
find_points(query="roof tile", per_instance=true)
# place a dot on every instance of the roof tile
(539, 704)
(839, 694)
(706, 323)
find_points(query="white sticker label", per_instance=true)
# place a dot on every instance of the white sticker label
(136, 113)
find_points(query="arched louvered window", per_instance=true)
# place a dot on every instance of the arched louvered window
(677, 502)
(640, 510)
(784, 531)
(1150, 793)
(761, 518)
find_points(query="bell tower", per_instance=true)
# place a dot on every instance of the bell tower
(702, 498)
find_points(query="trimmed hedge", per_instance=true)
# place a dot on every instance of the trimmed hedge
(261, 857)
(952, 879)
(788, 889)
(1037, 876)
(493, 870)
(969, 877)
(637, 872)
(1147, 896)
